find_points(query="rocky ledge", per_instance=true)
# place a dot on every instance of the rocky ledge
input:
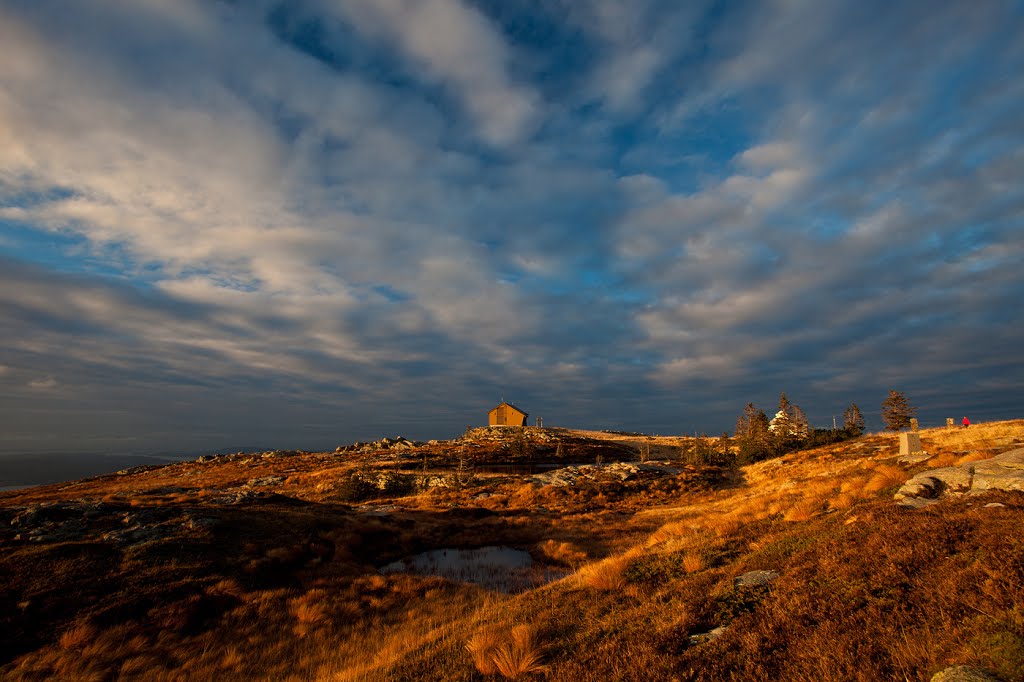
(622, 471)
(1002, 472)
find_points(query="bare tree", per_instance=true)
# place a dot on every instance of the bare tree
(853, 420)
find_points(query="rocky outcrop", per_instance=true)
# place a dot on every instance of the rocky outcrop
(84, 521)
(622, 471)
(1002, 472)
(399, 443)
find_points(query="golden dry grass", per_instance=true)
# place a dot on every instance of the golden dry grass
(482, 646)
(607, 574)
(693, 562)
(803, 511)
(979, 436)
(521, 655)
(78, 636)
(263, 610)
(884, 476)
(565, 553)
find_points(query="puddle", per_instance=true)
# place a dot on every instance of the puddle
(503, 569)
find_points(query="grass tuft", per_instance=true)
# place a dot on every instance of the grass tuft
(606, 575)
(521, 655)
(482, 646)
(78, 636)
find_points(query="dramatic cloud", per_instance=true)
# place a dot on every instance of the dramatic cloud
(302, 223)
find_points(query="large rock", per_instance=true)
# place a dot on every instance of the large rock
(1014, 459)
(919, 486)
(1002, 472)
(952, 479)
(993, 476)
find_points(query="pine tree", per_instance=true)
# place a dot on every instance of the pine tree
(897, 411)
(752, 434)
(853, 420)
(801, 428)
(782, 424)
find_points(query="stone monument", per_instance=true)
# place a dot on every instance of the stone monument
(910, 443)
(949, 423)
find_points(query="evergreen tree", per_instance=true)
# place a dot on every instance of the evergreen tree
(801, 428)
(897, 411)
(853, 420)
(752, 434)
(781, 425)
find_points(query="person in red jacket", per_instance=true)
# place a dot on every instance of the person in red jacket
(967, 422)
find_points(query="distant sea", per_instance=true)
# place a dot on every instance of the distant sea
(26, 470)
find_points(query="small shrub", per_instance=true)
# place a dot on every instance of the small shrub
(355, 488)
(396, 485)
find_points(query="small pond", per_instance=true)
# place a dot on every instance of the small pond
(503, 569)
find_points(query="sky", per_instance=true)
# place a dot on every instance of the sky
(299, 224)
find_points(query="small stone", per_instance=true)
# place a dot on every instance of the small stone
(755, 578)
(992, 505)
(708, 636)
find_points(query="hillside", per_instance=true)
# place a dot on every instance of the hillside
(302, 566)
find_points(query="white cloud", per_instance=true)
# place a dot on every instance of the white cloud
(191, 173)
(456, 45)
(770, 155)
(638, 39)
(43, 384)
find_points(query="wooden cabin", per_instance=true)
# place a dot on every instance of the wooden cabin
(506, 415)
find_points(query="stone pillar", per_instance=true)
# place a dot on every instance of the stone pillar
(913, 424)
(949, 423)
(910, 443)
